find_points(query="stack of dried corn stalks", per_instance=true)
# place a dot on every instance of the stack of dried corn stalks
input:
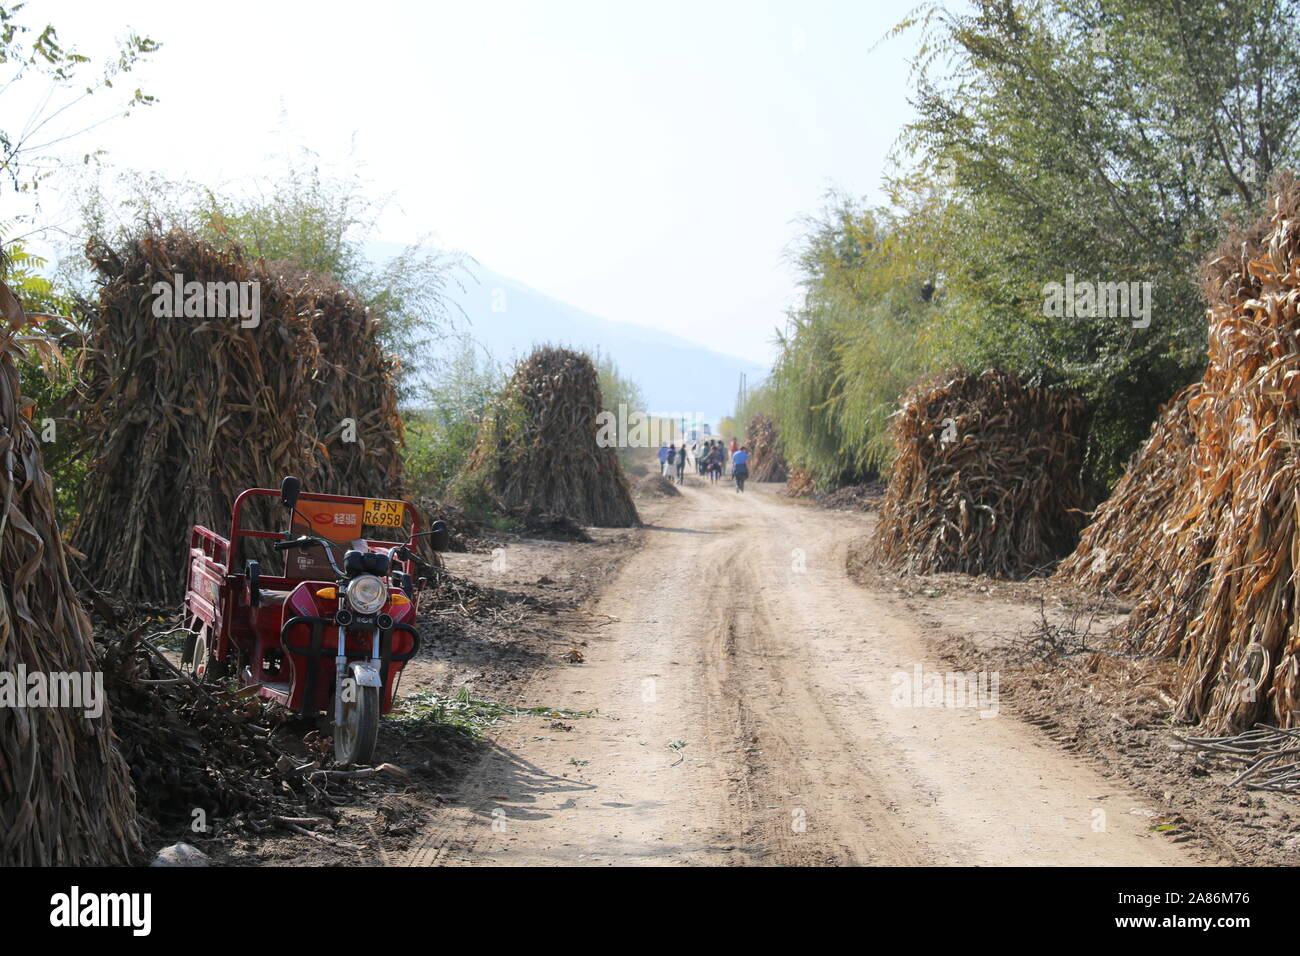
(767, 463)
(800, 483)
(181, 414)
(358, 428)
(986, 479)
(1126, 548)
(65, 795)
(1227, 609)
(537, 449)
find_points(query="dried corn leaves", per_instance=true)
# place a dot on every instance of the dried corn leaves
(65, 793)
(1126, 549)
(538, 451)
(985, 479)
(180, 414)
(1227, 608)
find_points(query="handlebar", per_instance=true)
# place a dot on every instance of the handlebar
(302, 542)
(400, 552)
(307, 541)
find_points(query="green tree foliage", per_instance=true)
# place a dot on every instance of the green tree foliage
(615, 390)
(1101, 139)
(758, 400)
(1104, 139)
(48, 81)
(870, 299)
(47, 382)
(441, 432)
(318, 222)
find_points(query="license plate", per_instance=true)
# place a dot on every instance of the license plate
(384, 514)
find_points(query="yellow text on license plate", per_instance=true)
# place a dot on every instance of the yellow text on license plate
(384, 514)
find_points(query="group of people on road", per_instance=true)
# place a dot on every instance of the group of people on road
(711, 460)
(672, 462)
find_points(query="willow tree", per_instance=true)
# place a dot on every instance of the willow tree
(1103, 140)
(865, 331)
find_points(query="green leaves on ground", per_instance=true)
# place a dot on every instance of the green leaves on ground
(426, 709)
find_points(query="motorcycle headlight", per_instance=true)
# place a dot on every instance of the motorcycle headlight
(366, 594)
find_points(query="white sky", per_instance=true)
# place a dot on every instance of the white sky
(645, 162)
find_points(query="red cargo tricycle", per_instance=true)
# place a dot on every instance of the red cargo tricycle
(329, 634)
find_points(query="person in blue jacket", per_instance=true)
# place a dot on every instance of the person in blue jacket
(663, 461)
(740, 467)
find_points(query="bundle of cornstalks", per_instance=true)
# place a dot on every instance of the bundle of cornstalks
(65, 795)
(800, 483)
(538, 449)
(986, 478)
(179, 414)
(1227, 608)
(1126, 548)
(358, 428)
(767, 463)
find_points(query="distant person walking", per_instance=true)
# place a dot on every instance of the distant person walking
(731, 453)
(715, 462)
(672, 461)
(740, 467)
(663, 461)
(681, 466)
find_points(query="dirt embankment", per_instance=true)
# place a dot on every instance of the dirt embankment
(1067, 675)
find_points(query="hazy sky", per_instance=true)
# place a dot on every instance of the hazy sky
(645, 162)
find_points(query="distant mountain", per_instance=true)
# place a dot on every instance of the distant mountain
(676, 375)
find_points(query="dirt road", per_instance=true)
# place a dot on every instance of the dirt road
(751, 705)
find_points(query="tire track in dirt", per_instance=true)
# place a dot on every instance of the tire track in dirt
(807, 808)
(743, 716)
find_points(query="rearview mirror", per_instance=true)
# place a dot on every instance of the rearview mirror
(440, 536)
(289, 489)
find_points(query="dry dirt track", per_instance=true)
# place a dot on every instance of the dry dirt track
(749, 714)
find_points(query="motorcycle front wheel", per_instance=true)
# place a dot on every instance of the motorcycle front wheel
(356, 735)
